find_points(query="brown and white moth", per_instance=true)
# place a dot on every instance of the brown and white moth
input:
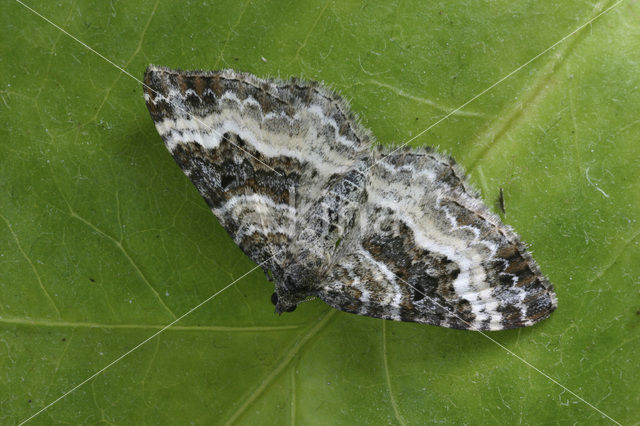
(299, 185)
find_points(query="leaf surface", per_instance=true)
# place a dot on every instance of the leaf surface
(103, 240)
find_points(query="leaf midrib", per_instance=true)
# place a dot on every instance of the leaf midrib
(212, 328)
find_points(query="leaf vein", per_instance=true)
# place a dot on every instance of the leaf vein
(285, 361)
(429, 102)
(212, 328)
(496, 132)
(33, 267)
(392, 398)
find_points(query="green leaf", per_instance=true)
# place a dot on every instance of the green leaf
(103, 240)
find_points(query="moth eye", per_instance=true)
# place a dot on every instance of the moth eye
(274, 299)
(292, 308)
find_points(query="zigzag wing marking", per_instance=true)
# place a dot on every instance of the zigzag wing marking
(427, 250)
(257, 150)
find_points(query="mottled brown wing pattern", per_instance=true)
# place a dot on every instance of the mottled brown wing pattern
(395, 234)
(427, 250)
(256, 150)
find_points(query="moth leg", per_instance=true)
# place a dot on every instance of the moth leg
(267, 273)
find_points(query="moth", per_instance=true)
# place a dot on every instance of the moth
(304, 191)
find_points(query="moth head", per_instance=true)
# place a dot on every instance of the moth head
(282, 305)
(292, 287)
